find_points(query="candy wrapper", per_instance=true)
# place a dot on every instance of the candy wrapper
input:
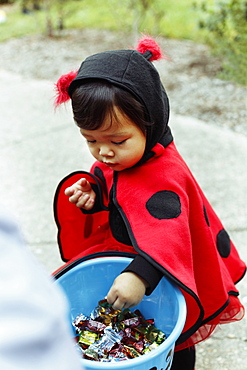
(113, 335)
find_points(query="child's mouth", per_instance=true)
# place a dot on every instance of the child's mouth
(111, 164)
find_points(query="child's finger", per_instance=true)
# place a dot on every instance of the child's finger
(85, 202)
(116, 301)
(75, 196)
(119, 304)
(84, 184)
(68, 191)
(72, 189)
(81, 201)
(89, 204)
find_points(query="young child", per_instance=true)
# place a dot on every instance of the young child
(140, 197)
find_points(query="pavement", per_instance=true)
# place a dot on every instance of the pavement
(38, 147)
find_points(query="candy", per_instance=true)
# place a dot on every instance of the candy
(95, 326)
(109, 335)
(87, 337)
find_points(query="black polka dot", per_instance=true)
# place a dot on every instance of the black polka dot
(164, 205)
(206, 215)
(223, 243)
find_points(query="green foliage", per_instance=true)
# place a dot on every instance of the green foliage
(222, 23)
(19, 24)
(168, 18)
(175, 19)
(226, 21)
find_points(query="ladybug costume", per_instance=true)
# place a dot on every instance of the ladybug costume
(155, 211)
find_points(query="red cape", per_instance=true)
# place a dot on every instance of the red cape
(171, 224)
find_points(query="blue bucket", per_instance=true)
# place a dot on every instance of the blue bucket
(89, 281)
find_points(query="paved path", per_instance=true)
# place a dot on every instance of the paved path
(38, 147)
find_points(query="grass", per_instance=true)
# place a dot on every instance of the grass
(179, 20)
(19, 24)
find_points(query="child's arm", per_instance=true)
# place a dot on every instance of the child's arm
(127, 291)
(81, 194)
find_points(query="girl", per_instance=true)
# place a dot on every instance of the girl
(140, 197)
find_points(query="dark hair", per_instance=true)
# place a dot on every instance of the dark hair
(94, 101)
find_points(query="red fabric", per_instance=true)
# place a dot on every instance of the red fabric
(79, 234)
(184, 247)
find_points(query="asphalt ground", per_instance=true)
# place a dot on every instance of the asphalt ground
(38, 147)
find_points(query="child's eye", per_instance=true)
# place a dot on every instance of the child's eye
(91, 141)
(119, 142)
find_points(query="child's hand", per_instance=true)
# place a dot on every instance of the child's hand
(127, 291)
(81, 194)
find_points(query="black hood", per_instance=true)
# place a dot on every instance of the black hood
(132, 71)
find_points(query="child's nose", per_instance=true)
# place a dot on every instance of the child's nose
(105, 151)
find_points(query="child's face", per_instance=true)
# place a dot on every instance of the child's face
(119, 145)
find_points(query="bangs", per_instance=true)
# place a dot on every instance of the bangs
(92, 105)
(94, 102)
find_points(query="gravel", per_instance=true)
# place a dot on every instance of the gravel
(189, 75)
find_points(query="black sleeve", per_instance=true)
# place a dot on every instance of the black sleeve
(145, 270)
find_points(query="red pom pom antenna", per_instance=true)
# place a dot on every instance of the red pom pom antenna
(148, 44)
(61, 88)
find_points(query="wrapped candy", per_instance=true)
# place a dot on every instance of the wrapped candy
(87, 337)
(114, 335)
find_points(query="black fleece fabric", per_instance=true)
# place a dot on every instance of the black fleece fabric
(127, 69)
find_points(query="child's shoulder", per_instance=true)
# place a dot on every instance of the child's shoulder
(168, 159)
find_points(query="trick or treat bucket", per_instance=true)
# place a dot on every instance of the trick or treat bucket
(86, 283)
